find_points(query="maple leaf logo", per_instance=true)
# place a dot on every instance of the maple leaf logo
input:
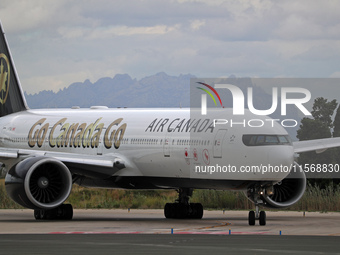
(4, 78)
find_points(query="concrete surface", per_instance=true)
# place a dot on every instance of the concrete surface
(153, 222)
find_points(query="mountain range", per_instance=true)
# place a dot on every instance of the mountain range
(159, 90)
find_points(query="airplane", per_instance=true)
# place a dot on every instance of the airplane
(46, 151)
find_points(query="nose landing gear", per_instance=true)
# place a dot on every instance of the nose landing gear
(253, 215)
(254, 194)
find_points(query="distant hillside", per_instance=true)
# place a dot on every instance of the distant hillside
(159, 90)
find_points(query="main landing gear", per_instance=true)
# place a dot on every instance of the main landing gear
(253, 215)
(182, 209)
(63, 212)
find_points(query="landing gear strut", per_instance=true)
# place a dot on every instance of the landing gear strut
(253, 215)
(63, 212)
(254, 194)
(182, 209)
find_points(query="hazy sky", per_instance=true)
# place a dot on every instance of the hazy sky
(56, 43)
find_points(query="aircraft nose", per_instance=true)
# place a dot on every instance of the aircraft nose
(280, 160)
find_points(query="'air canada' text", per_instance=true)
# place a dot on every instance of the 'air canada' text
(181, 125)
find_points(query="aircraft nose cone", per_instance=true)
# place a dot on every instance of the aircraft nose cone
(282, 158)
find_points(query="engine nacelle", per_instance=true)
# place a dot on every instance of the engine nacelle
(39, 183)
(286, 193)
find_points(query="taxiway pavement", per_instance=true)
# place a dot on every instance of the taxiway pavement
(148, 232)
(153, 222)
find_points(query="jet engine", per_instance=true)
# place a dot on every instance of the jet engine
(282, 194)
(39, 183)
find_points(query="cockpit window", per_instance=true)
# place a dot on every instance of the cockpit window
(260, 140)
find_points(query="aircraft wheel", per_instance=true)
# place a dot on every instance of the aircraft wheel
(52, 214)
(182, 211)
(167, 210)
(262, 218)
(171, 211)
(197, 210)
(39, 214)
(63, 212)
(251, 218)
(67, 212)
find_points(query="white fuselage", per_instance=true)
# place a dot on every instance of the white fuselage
(162, 143)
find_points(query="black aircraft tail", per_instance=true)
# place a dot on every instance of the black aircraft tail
(11, 96)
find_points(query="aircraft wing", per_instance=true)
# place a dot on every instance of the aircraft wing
(317, 145)
(74, 161)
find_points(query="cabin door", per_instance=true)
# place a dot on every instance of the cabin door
(218, 142)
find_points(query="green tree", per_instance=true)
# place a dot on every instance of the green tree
(313, 129)
(321, 124)
(336, 133)
(336, 124)
(319, 127)
(323, 110)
